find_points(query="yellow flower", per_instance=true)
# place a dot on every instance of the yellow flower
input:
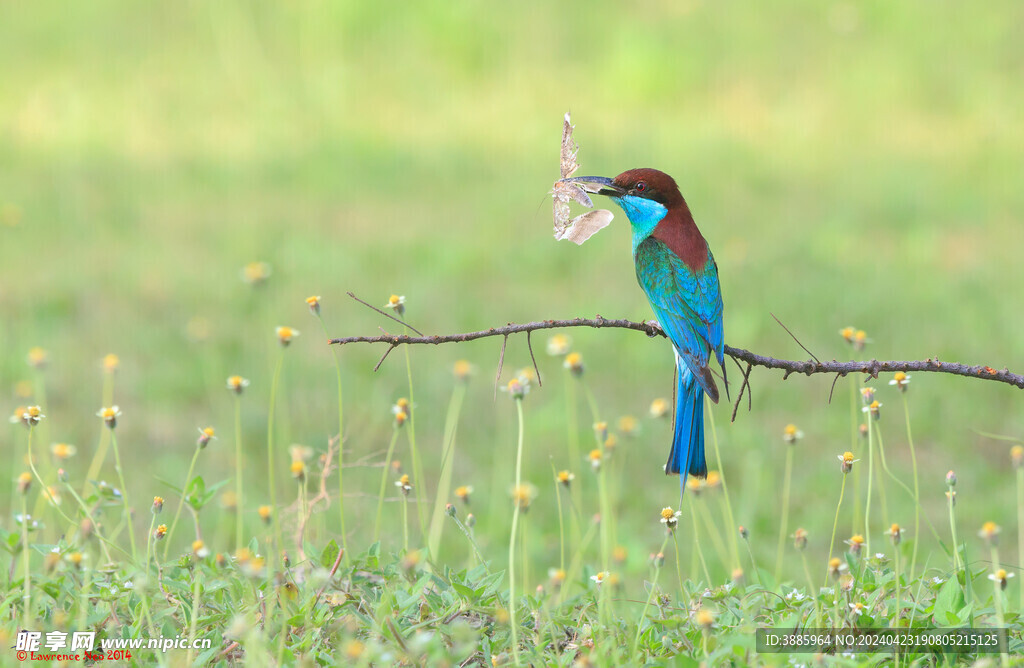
(463, 492)
(791, 434)
(400, 418)
(76, 558)
(38, 357)
(205, 435)
(619, 554)
(523, 496)
(628, 425)
(846, 461)
(1017, 456)
(63, 451)
(895, 533)
(847, 334)
(713, 480)
(199, 549)
(109, 415)
(695, 485)
(670, 518)
(856, 543)
(659, 408)
(265, 514)
(990, 533)
(298, 469)
(237, 384)
(574, 363)
(160, 532)
(556, 576)
(601, 431)
(516, 388)
(353, 650)
(800, 538)
(404, 484)
(600, 577)
(704, 619)
(285, 334)
(872, 408)
(29, 416)
(111, 362)
(558, 345)
(255, 273)
(858, 609)
(595, 458)
(860, 339)
(1001, 577)
(158, 504)
(462, 370)
(900, 380)
(314, 304)
(24, 482)
(396, 302)
(836, 567)
(565, 477)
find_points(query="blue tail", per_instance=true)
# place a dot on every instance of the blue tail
(687, 456)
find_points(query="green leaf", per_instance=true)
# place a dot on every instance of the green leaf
(329, 554)
(950, 601)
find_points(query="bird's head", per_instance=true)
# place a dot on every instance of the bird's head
(644, 194)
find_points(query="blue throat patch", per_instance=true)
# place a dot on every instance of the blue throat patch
(644, 215)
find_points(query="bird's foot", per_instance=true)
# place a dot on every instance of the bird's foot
(654, 329)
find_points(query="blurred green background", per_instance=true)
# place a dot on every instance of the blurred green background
(850, 163)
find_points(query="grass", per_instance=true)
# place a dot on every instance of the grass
(407, 151)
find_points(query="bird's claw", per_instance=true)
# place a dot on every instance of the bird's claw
(654, 329)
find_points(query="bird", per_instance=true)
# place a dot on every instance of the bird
(679, 275)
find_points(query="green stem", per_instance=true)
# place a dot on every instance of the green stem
(26, 567)
(896, 616)
(731, 519)
(181, 501)
(417, 469)
(867, 504)
(194, 623)
(1020, 526)
(561, 519)
(835, 524)
(275, 559)
(383, 483)
(341, 443)
(786, 481)
(917, 493)
(124, 495)
(444, 482)
(858, 524)
(405, 523)
(810, 586)
(952, 529)
(696, 542)
(997, 595)
(512, 536)
(650, 596)
(239, 488)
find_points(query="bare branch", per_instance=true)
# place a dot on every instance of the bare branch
(808, 367)
(384, 313)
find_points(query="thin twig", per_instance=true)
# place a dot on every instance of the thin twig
(833, 389)
(384, 356)
(501, 363)
(529, 346)
(745, 385)
(795, 339)
(384, 313)
(807, 367)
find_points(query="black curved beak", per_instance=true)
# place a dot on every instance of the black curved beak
(597, 185)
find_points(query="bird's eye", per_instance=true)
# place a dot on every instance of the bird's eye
(640, 186)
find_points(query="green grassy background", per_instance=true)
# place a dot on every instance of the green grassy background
(849, 163)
